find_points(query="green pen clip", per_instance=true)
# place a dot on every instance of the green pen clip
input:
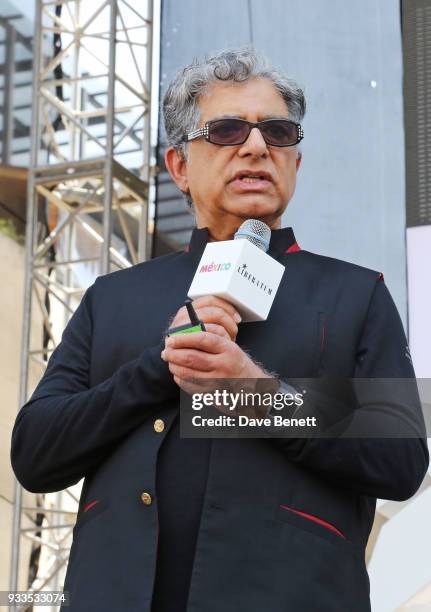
(194, 326)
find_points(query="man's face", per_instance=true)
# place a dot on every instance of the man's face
(211, 171)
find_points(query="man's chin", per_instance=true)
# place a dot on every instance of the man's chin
(257, 210)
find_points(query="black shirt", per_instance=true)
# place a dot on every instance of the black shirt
(182, 468)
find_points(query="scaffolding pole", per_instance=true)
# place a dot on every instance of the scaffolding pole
(92, 158)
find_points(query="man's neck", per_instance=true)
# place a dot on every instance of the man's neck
(222, 233)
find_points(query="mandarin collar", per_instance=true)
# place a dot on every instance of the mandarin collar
(282, 241)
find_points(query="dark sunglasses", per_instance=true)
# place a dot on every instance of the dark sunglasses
(275, 132)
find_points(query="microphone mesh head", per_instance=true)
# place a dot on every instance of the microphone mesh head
(257, 232)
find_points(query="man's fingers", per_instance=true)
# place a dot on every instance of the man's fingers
(212, 300)
(197, 385)
(217, 329)
(185, 373)
(202, 341)
(189, 358)
(215, 314)
(209, 313)
(190, 386)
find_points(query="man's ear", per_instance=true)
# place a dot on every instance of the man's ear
(298, 160)
(177, 168)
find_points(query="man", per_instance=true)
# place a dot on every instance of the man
(232, 525)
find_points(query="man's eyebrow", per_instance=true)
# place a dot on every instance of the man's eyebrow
(264, 117)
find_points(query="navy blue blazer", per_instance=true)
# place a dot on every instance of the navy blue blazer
(284, 522)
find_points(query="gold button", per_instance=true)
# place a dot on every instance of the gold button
(159, 425)
(146, 498)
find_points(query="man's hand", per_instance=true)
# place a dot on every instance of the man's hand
(197, 360)
(205, 355)
(219, 317)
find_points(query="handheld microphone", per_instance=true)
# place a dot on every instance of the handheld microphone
(240, 271)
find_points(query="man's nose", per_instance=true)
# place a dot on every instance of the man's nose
(254, 145)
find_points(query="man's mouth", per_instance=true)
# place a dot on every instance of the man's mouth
(251, 177)
(250, 181)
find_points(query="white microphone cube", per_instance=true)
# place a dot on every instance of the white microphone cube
(242, 274)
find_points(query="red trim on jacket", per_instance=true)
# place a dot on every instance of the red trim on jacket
(90, 505)
(322, 342)
(294, 248)
(311, 517)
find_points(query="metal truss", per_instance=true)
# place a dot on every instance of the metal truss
(15, 69)
(89, 190)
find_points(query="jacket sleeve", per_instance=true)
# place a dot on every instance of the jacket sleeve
(390, 461)
(67, 428)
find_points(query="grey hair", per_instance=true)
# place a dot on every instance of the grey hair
(181, 100)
